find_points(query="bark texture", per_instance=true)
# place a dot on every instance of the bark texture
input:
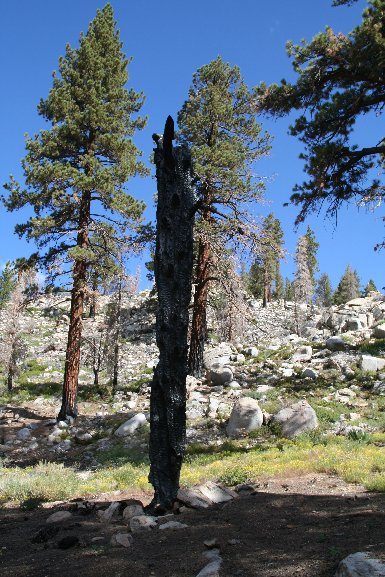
(199, 321)
(173, 272)
(72, 363)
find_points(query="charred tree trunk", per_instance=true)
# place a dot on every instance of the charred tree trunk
(72, 363)
(199, 321)
(93, 298)
(173, 271)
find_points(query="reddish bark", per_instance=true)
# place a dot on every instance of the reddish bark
(72, 363)
(199, 321)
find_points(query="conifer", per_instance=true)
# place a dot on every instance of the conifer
(76, 169)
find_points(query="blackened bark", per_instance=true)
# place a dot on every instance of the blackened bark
(72, 363)
(173, 272)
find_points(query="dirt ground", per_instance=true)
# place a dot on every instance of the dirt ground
(298, 526)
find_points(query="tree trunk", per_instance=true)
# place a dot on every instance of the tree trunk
(173, 271)
(115, 376)
(72, 363)
(93, 298)
(96, 377)
(199, 321)
(10, 379)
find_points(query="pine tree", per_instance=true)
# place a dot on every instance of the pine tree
(339, 79)
(218, 122)
(75, 170)
(279, 289)
(348, 287)
(324, 291)
(289, 290)
(370, 287)
(265, 269)
(7, 283)
(312, 248)
(303, 283)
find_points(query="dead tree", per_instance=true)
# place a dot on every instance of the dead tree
(173, 274)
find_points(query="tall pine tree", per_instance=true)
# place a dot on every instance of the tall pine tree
(75, 170)
(218, 122)
(265, 269)
(348, 287)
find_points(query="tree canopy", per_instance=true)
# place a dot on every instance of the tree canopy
(339, 80)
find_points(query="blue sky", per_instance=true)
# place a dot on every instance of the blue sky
(168, 41)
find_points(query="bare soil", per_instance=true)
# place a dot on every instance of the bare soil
(296, 526)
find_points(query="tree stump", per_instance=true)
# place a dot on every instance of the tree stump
(173, 276)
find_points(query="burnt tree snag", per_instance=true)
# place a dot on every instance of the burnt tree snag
(173, 272)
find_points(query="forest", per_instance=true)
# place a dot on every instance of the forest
(226, 404)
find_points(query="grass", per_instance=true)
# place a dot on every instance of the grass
(356, 460)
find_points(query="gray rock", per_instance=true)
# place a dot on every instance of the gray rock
(214, 493)
(122, 540)
(59, 517)
(360, 565)
(218, 355)
(246, 416)
(23, 434)
(193, 498)
(214, 565)
(302, 354)
(379, 331)
(251, 352)
(335, 344)
(133, 510)
(309, 373)
(142, 523)
(220, 374)
(296, 419)
(369, 363)
(83, 438)
(234, 385)
(130, 426)
(379, 388)
(353, 324)
(111, 511)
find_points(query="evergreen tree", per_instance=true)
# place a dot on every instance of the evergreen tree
(348, 287)
(265, 269)
(324, 291)
(370, 287)
(279, 289)
(7, 283)
(339, 79)
(289, 290)
(75, 170)
(303, 282)
(312, 248)
(218, 122)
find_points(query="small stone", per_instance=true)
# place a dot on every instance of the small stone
(214, 493)
(211, 543)
(111, 511)
(122, 540)
(130, 426)
(335, 344)
(59, 517)
(133, 510)
(193, 498)
(142, 523)
(309, 373)
(23, 434)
